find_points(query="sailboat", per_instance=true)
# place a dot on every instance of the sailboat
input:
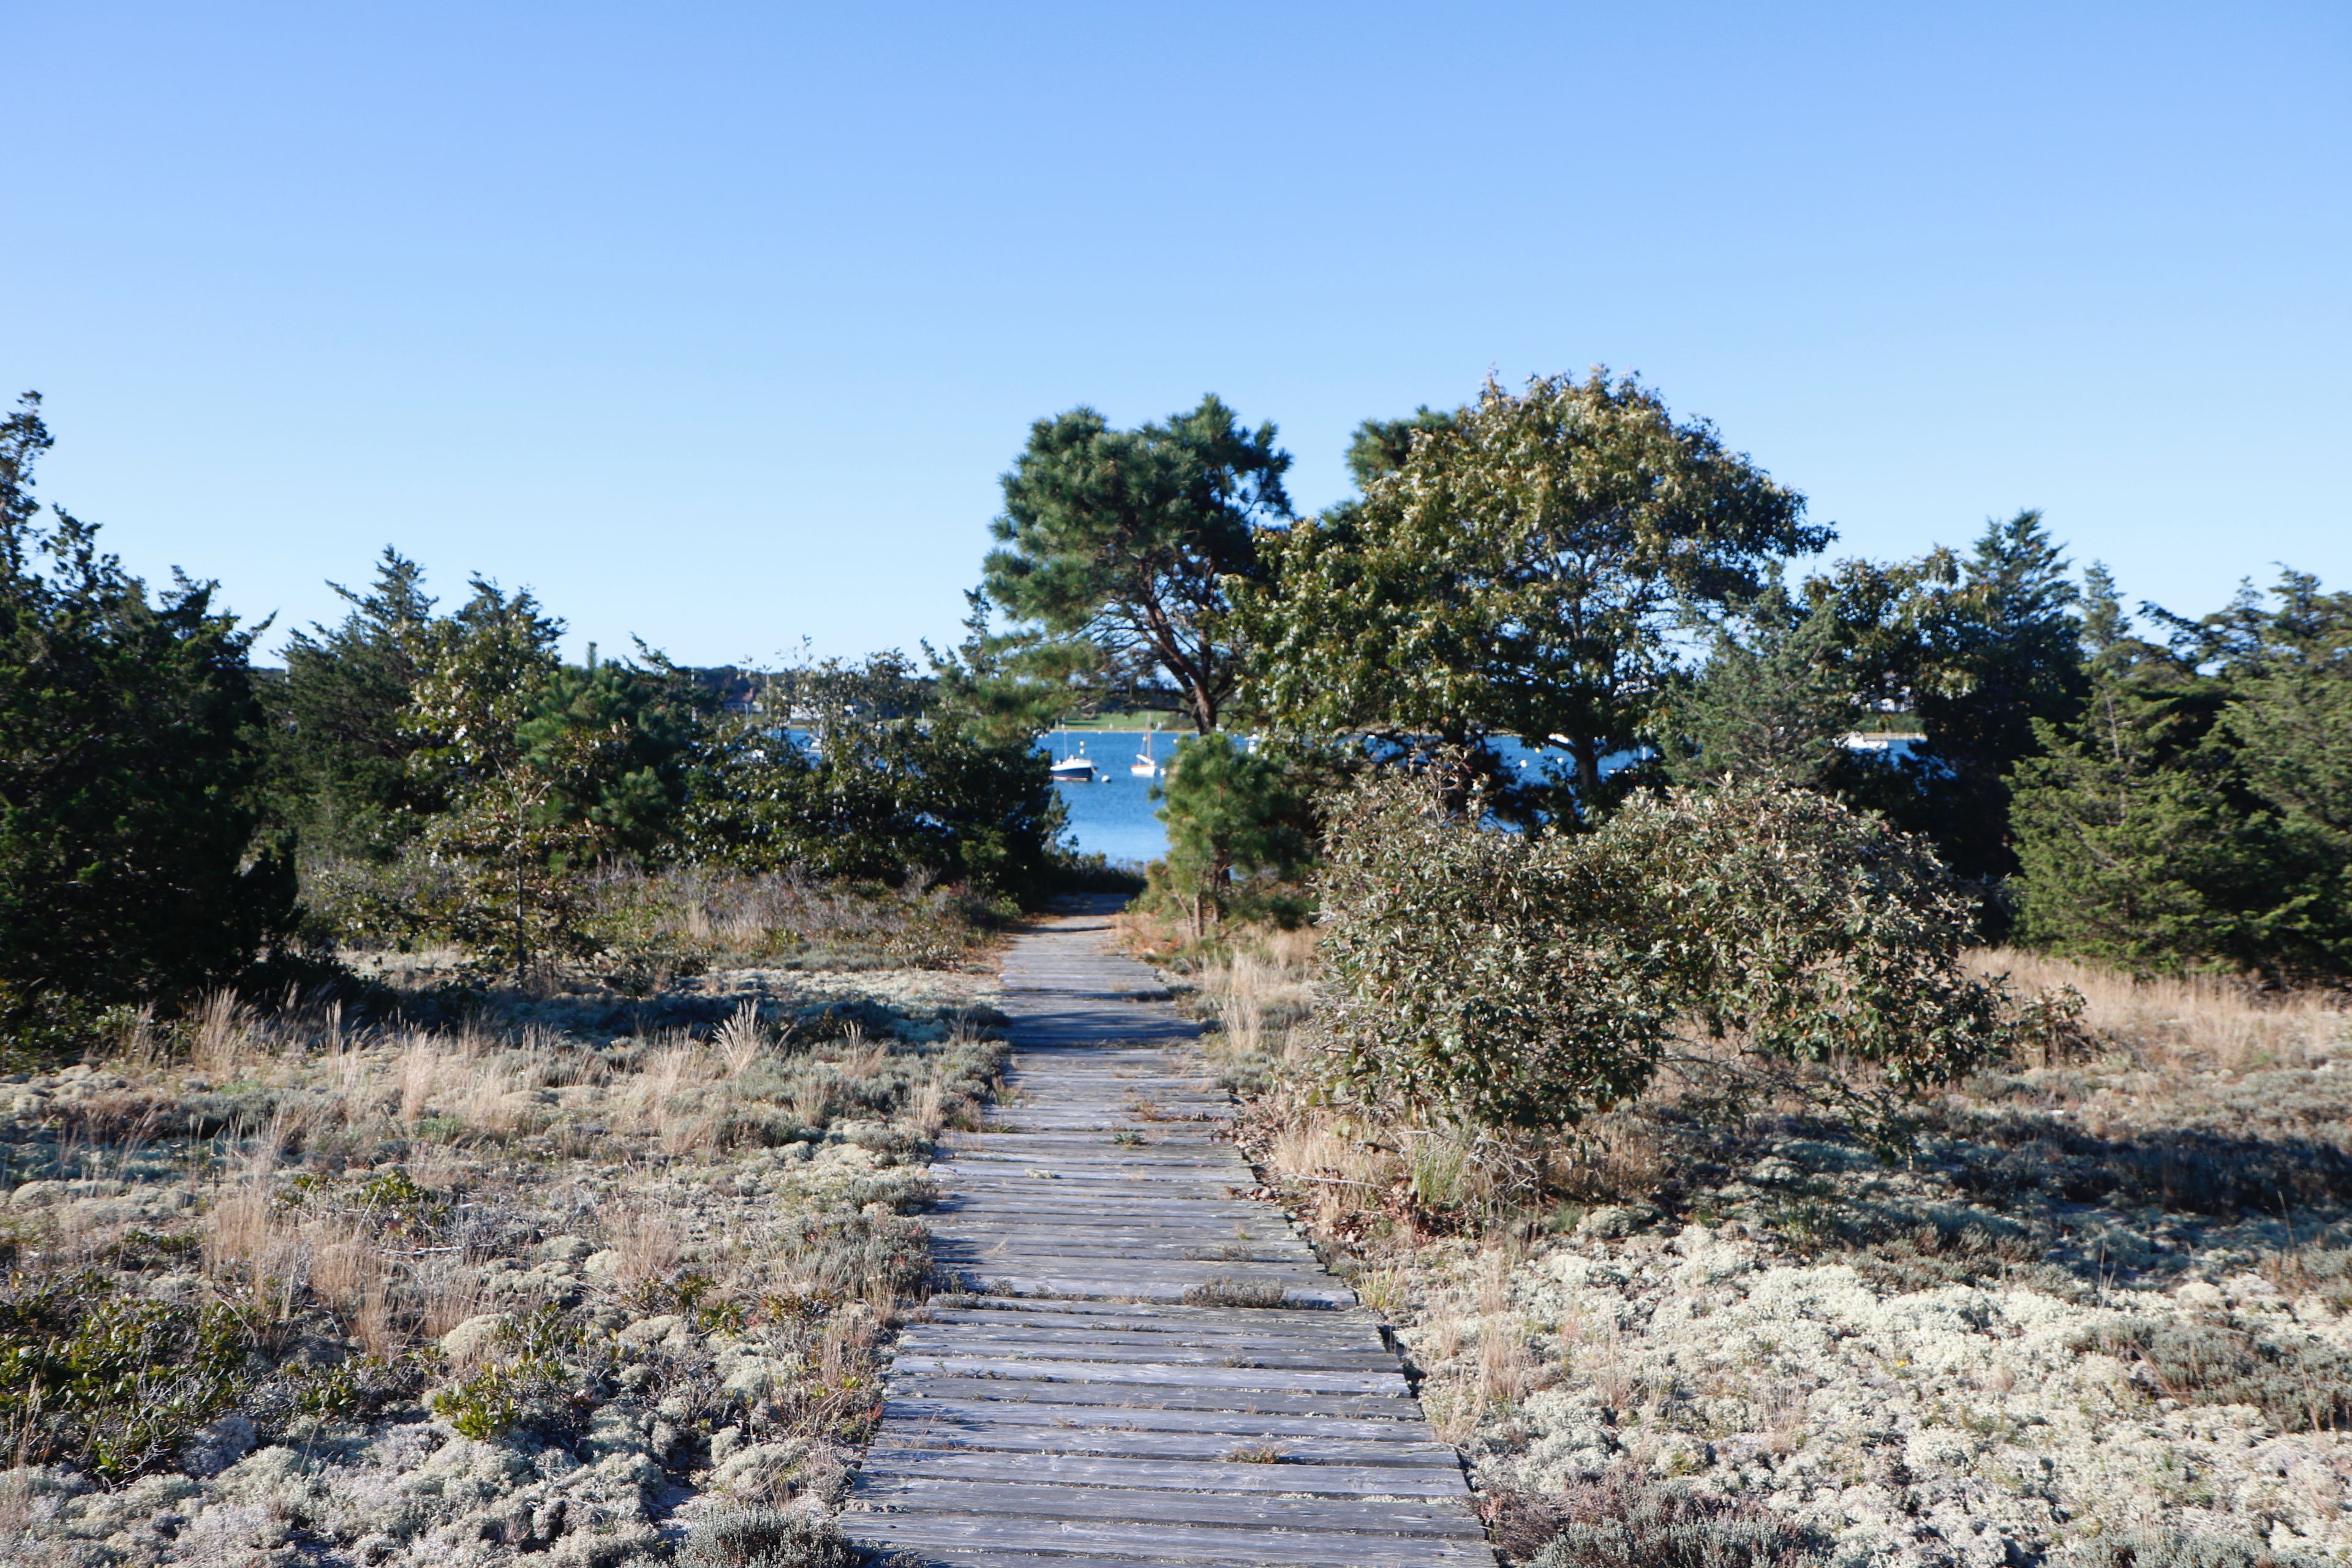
(1146, 766)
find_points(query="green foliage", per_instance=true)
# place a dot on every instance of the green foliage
(339, 762)
(2199, 812)
(618, 742)
(129, 765)
(1230, 811)
(1994, 652)
(762, 1537)
(1771, 703)
(1007, 687)
(524, 1384)
(1519, 575)
(1381, 447)
(881, 790)
(1524, 980)
(513, 897)
(361, 1385)
(110, 1385)
(490, 1403)
(1131, 538)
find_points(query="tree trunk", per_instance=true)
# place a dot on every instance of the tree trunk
(1204, 709)
(522, 950)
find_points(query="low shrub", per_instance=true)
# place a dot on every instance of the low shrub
(767, 1538)
(2300, 1388)
(2179, 1549)
(1527, 980)
(108, 1385)
(1625, 1520)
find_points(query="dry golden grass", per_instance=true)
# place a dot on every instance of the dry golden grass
(1506, 1370)
(223, 1035)
(927, 1110)
(740, 1040)
(447, 1291)
(419, 1076)
(1494, 1283)
(648, 1242)
(348, 1270)
(2198, 1023)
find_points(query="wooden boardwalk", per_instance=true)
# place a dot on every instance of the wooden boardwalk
(1073, 1409)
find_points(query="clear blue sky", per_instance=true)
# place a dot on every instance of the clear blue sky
(715, 325)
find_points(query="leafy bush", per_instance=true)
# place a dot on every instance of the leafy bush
(111, 1384)
(524, 1387)
(1505, 979)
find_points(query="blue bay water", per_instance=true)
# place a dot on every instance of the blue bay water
(1114, 816)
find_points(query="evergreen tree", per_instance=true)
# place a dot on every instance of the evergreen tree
(1994, 652)
(1381, 447)
(339, 756)
(1228, 809)
(620, 741)
(1006, 687)
(2130, 846)
(2286, 671)
(1131, 538)
(1771, 704)
(885, 784)
(515, 898)
(129, 766)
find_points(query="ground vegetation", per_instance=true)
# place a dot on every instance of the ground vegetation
(579, 1275)
(2097, 1309)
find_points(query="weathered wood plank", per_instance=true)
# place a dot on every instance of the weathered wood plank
(1168, 1475)
(1116, 1505)
(1089, 1418)
(1028, 1332)
(1119, 1395)
(1168, 1542)
(1189, 1446)
(1403, 1426)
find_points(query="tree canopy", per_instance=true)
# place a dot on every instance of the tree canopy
(1130, 539)
(2199, 812)
(129, 771)
(1519, 574)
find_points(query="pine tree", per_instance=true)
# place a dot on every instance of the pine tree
(2129, 844)
(339, 761)
(129, 766)
(515, 898)
(2289, 726)
(1995, 655)
(1772, 703)
(1228, 810)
